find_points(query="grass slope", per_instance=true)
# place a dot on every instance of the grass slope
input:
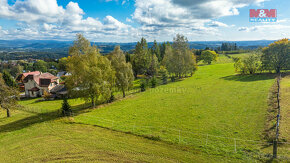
(191, 117)
(40, 135)
(285, 114)
(214, 101)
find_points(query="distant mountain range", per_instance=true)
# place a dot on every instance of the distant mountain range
(50, 44)
(41, 49)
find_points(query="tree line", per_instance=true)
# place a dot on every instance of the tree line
(275, 57)
(97, 77)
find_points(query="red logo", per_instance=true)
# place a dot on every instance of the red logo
(263, 15)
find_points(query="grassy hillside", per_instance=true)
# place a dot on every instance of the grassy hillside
(215, 111)
(213, 116)
(285, 114)
(38, 134)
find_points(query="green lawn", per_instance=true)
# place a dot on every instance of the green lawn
(285, 114)
(214, 116)
(38, 134)
(214, 101)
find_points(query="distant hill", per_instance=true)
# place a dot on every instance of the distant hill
(57, 49)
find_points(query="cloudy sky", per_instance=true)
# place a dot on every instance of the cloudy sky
(129, 20)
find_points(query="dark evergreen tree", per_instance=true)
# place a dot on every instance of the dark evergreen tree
(66, 108)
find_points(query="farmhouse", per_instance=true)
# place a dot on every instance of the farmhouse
(36, 84)
(20, 79)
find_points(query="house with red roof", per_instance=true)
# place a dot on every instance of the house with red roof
(20, 79)
(36, 84)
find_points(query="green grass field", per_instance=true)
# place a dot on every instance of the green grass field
(285, 114)
(215, 101)
(214, 116)
(38, 134)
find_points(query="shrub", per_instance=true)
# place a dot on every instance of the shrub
(172, 78)
(112, 98)
(66, 108)
(247, 65)
(46, 95)
(153, 82)
(143, 86)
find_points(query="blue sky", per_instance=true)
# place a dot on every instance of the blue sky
(129, 20)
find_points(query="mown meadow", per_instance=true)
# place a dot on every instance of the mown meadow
(215, 110)
(214, 116)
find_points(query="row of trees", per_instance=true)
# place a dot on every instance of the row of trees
(275, 57)
(96, 77)
(177, 58)
(228, 47)
(17, 67)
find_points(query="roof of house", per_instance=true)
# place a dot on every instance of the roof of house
(26, 74)
(42, 79)
(31, 73)
(59, 89)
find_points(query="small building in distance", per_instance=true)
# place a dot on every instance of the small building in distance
(59, 91)
(36, 84)
(62, 74)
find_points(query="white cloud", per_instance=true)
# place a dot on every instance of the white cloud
(217, 24)
(48, 27)
(159, 19)
(32, 10)
(129, 20)
(269, 29)
(46, 19)
(184, 12)
(243, 29)
(189, 15)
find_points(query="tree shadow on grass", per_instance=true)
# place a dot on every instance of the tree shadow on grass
(250, 78)
(39, 118)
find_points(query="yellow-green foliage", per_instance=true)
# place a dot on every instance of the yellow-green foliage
(248, 65)
(92, 76)
(277, 56)
(209, 56)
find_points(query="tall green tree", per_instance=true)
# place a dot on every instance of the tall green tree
(179, 59)
(40, 65)
(141, 59)
(277, 56)
(209, 56)
(62, 62)
(8, 96)
(154, 65)
(92, 76)
(164, 74)
(124, 73)
(16, 70)
(9, 81)
(156, 50)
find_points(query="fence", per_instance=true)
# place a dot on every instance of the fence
(215, 144)
(275, 142)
